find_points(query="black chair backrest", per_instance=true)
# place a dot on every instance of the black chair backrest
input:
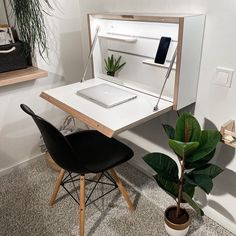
(57, 145)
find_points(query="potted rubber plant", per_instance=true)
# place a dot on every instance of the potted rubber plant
(112, 65)
(194, 149)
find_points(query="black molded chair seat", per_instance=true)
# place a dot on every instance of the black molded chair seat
(97, 152)
(83, 152)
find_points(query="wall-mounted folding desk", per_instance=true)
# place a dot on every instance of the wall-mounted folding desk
(109, 121)
(136, 39)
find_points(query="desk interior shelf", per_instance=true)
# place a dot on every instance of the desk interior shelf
(128, 39)
(17, 76)
(152, 63)
(228, 133)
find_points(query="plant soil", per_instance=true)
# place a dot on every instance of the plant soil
(183, 216)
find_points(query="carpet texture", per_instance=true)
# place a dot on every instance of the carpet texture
(24, 210)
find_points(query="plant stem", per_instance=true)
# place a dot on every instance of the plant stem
(180, 188)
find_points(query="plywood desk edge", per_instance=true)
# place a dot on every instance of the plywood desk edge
(87, 120)
(145, 119)
(96, 125)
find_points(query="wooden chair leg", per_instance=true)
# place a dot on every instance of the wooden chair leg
(56, 187)
(82, 205)
(122, 190)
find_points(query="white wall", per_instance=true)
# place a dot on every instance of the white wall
(215, 105)
(68, 27)
(3, 19)
(19, 137)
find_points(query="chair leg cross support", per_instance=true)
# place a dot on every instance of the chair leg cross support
(112, 177)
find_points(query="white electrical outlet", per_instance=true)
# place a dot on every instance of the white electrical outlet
(223, 76)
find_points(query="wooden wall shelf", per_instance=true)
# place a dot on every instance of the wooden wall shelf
(228, 133)
(17, 76)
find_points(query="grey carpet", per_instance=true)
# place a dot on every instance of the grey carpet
(24, 210)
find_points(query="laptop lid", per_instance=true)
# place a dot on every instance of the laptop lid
(106, 95)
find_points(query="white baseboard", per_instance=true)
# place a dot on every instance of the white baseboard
(220, 219)
(22, 163)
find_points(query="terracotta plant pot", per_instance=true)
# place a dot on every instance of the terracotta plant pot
(176, 226)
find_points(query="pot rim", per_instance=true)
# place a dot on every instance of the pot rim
(177, 226)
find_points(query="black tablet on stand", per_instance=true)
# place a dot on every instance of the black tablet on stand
(162, 50)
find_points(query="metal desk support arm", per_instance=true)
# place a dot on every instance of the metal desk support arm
(166, 78)
(90, 53)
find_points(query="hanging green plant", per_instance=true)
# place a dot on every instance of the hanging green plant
(29, 18)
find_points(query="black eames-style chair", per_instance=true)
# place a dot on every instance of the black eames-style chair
(82, 153)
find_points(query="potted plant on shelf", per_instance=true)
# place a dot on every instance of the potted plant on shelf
(29, 19)
(112, 65)
(194, 148)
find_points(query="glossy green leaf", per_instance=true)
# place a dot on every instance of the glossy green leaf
(209, 140)
(189, 189)
(193, 204)
(169, 130)
(168, 186)
(203, 181)
(187, 129)
(163, 165)
(210, 170)
(189, 180)
(201, 162)
(183, 149)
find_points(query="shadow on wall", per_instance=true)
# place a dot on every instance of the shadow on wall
(151, 137)
(19, 137)
(225, 182)
(71, 56)
(153, 130)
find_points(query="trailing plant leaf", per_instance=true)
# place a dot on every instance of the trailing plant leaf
(163, 165)
(193, 204)
(183, 149)
(170, 131)
(208, 142)
(29, 17)
(187, 129)
(210, 170)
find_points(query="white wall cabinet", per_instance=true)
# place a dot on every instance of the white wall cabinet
(136, 39)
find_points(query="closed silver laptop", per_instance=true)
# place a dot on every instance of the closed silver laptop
(106, 95)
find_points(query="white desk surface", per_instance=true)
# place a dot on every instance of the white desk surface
(109, 121)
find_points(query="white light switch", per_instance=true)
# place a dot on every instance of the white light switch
(223, 76)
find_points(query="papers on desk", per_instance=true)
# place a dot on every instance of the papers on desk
(106, 95)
